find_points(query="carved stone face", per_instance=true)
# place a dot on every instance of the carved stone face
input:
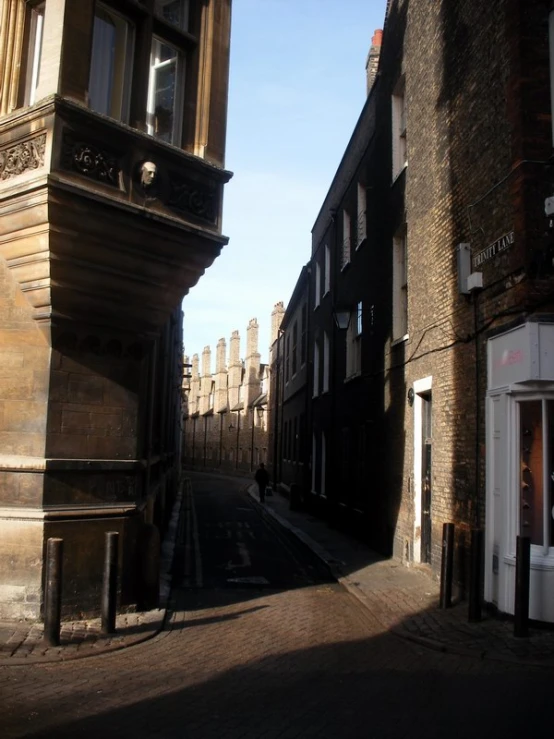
(148, 173)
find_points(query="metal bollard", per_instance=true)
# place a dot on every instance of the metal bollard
(523, 573)
(53, 591)
(109, 583)
(475, 575)
(447, 565)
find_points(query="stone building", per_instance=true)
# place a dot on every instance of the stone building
(431, 321)
(225, 411)
(111, 186)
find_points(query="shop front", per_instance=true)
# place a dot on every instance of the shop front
(520, 465)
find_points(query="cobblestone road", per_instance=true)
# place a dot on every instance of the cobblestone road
(265, 664)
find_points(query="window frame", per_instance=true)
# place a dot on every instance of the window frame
(400, 285)
(361, 232)
(399, 129)
(33, 50)
(346, 246)
(126, 84)
(178, 101)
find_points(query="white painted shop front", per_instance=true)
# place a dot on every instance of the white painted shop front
(520, 465)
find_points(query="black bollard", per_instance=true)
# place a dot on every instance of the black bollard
(109, 583)
(53, 591)
(447, 565)
(523, 573)
(475, 578)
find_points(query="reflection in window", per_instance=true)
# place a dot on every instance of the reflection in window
(163, 120)
(35, 52)
(175, 12)
(110, 68)
(536, 469)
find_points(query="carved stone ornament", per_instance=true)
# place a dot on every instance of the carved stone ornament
(90, 161)
(193, 199)
(23, 157)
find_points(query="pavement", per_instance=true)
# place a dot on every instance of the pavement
(404, 600)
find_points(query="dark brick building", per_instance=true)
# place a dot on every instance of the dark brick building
(437, 403)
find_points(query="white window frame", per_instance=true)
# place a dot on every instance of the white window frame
(316, 370)
(354, 344)
(326, 362)
(155, 66)
(327, 288)
(317, 292)
(400, 286)
(34, 55)
(362, 215)
(346, 239)
(399, 140)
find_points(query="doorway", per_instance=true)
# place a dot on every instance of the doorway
(426, 475)
(423, 470)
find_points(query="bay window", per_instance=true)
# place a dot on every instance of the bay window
(175, 12)
(34, 52)
(111, 64)
(164, 92)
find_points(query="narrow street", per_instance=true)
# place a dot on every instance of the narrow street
(261, 644)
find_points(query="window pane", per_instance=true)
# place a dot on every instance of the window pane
(110, 67)
(531, 463)
(175, 12)
(34, 54)
(163, 92)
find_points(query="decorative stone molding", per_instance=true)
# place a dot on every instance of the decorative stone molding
(16, 160)
(193, 199)
(89, 160)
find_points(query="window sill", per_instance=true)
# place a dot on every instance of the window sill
(399, 174)
(353, 376)
(400, 340)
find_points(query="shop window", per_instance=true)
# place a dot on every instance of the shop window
(111, 64)
(164, 109)
(536, 438)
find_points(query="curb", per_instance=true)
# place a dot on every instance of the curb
(398, 631)
(117, 641)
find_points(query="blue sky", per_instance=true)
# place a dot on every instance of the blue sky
(297, 87)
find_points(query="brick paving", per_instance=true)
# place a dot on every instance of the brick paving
(257, 663)
(405, 600)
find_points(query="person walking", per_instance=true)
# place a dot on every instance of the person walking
(262, 478)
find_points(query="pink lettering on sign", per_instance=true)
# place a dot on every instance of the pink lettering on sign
(510, 357)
